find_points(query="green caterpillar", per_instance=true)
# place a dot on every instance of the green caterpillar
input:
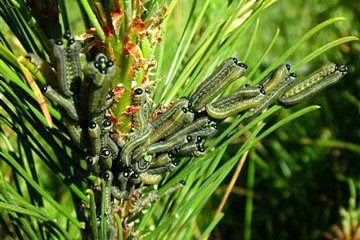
(97, 82)
(225, 74)
(171, 122)
(326, 76)
(278, 91)
(67, 62)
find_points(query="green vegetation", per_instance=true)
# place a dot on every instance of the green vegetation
(298, 169)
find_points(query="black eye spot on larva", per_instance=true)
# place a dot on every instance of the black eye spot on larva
(182, 182)
(103, 71)
(246, 85)
(170, 155)
(138, 91)
(44, 89)
(288, 66)
(106, 176)
(135, 175)
(234, 60)
(67, 34)
(175, 162)
(109, 95)
(189, 138)
(92, 125)
(105, 152)
(71, 41)
(90, 160)
(201, 149)
(109, 63)
(126, 174)
(293, 75)
(58, 42)
(262, 89)
(102, 59)
(189, 104)
(243, 65)
(96, 64)
(198, 145)
(184, 110)
(198, 139)
(107, 122)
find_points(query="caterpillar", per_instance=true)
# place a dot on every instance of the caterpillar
(134, 143)
(196, 125)
(225, 74)
(67, 58)
(275, 78)
(170, 123)
(140, 117)
(66, 104)
(279, 90)
(326, 76)
(224, 109)
(97, 82)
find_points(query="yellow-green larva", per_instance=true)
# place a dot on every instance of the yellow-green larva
(94, 132)
(240, 94)
(97, 83)
(134, 143)
(191, 128)
(141, 120)
(225, 74)
(225, 109)
(106, 158)
(167, 145)
(173, 122)
(204, 132)
(326, 76)
(75, 132)
(275, 78)
(67, 64)
(148, 178)
(279, 90)
(109, 179)
(65, 103)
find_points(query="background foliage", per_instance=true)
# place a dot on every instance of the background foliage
(300, 182)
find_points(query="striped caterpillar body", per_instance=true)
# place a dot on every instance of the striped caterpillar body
(278, 91)
(155, 147)
(224, 75)
(66, 53)
(97, 83)
(326, 76)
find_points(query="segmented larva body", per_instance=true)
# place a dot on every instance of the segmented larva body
(67, 63)
(189, 129)
(128, 149)
(141, 117)
(94, 132)
(171, 121)
(224, 109)
(97, 83)
(326, 76)
(275, 78)
(65, 103)
(315, 77)
(278, 91)
(225, 74)
(149, 178)
(167, 145)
